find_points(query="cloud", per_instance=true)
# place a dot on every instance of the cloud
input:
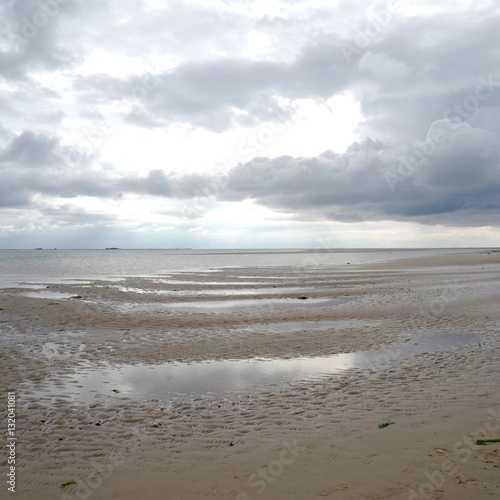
(32, 37)
(69, 215)
(223, 93)
(381, 65)
(30, 149)
(74, 73)
(390, 74)
(457, 184)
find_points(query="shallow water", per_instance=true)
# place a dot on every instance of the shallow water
(297, 326)
(267, 290)
(53, 266)
(225, 306)
(173, 380)
(47, 294)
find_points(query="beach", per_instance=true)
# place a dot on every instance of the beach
(288, 373)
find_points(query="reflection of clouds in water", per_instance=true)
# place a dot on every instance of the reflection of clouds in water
(215, 306)
(43, 294)
(227, 291)
(162, 382)
(234, 375)
(297, 326)
(216, 283)
(37, 284)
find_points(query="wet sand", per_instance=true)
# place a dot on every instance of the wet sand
(316, 437)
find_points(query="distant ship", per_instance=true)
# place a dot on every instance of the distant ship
(112, 248)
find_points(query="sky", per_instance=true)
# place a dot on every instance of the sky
(249, 123)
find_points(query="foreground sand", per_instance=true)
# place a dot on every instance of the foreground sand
(309, 439)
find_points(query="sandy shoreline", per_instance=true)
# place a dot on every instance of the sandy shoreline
(311, 439)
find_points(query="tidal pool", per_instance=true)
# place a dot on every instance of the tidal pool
(173, 380)
(230, 305)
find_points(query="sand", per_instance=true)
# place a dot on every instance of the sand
(311, 438)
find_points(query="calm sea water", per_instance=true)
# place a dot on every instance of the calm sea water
(32, 266)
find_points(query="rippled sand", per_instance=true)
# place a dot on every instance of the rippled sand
(310, 438)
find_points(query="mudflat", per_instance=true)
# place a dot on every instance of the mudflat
(403, 424)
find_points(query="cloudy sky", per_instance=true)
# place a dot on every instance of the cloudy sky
(249, 123)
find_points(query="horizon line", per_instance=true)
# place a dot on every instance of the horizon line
(254, 248)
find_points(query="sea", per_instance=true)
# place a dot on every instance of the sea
(27, 268)
(19, 267)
